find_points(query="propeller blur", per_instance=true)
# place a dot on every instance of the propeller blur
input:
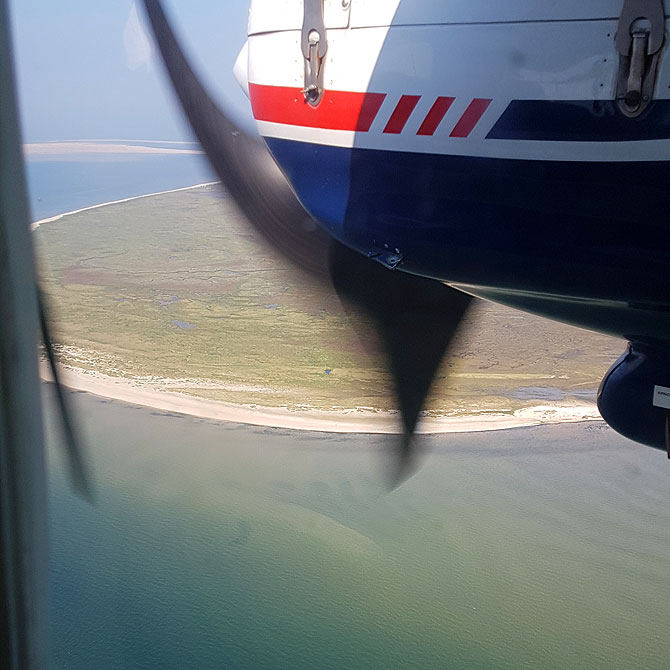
(519, 152)
(416, 318)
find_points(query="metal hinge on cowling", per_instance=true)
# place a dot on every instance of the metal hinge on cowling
(639, 38)
(314, 47)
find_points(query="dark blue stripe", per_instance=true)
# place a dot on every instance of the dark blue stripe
(319, 174)
(543, 229)
(580, 121)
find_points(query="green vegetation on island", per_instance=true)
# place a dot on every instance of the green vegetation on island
(177, 291)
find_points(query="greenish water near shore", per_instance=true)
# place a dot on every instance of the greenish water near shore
(224, 546)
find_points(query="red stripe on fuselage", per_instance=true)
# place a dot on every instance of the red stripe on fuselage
(435, 115)
(470, 117)
(338, 110)
(401, 114)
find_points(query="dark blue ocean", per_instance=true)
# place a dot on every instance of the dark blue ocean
(215, 545)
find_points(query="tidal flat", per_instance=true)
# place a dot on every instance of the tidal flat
(175, 291)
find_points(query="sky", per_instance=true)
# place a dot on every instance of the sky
(87, 69)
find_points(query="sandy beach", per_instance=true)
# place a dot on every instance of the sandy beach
(355, 420)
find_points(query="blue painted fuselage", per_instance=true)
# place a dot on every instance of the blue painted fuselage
(582, 242)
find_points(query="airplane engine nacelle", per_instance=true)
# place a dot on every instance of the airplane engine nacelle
(634, 395)
(519, 149)
(457, 139)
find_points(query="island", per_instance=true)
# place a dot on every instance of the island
(172, 301)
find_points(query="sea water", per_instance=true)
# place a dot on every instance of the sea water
(57, 186)
(215, 545)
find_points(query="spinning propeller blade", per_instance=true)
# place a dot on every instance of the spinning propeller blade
(416, 318)
(73, 451)
(18, 275)
(242, 162)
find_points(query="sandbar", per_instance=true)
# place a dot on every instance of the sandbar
(355, 420)
(53, 149)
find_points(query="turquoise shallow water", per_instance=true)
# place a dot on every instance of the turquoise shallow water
(225, 546)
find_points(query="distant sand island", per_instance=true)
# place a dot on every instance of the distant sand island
(78, 149)
(171, 301)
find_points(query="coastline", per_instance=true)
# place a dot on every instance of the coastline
(36, 224)
(355, 420)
